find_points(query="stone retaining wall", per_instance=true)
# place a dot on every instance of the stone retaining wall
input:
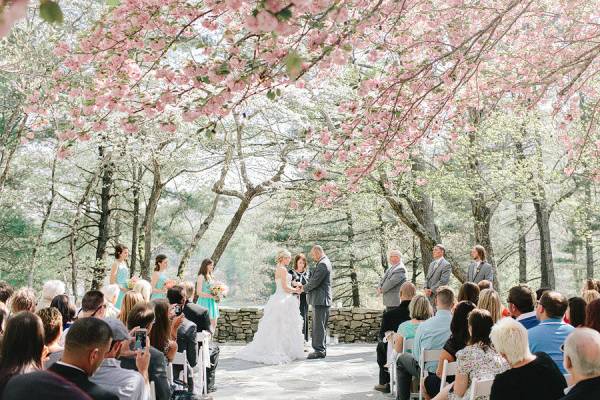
(348, 325)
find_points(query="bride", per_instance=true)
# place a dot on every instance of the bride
(279, 338)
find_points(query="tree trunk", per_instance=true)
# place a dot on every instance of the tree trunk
(75, 228)
(231, 228)
(353, 273)
(482, 216)
(542, 219)
(135, 229)
(40, 236)
(196, 239)
(522, 243)
(382, 240)
(155, 193)
(103, 223)
(589, 233)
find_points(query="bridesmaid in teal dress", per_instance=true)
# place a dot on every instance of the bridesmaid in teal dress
(159, 277)
(119, 272)
(205, 297)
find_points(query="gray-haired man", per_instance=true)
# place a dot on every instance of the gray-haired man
(393, 278)
(318, 289)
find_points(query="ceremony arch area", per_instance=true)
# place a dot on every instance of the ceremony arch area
(230, 130)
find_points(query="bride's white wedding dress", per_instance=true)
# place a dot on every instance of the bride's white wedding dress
(279, 338)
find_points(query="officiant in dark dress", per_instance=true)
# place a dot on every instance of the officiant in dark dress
(300, 276)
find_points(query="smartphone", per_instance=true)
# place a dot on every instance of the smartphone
(177, 309)
(140, 339)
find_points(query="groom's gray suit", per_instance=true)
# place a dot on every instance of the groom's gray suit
(318, 289)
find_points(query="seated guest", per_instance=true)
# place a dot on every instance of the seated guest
(582, 361)
(144, 288)
(531, 376)
(164, 331)
(130, 299)
(521, 304)
(490, 300)
(42, 385)
(590, 295)
(469, 291)
(6, 291)
(575, 314)
(111, 294)
(127, 384)
(390, 321)
(22, 346)
(459, 336)
(50, 290)
(419, 310)
(430, 335)
(92, 305)
(184, 329)
(592, 315)
(477, 361)
(552, 331)
(142, 316)
(87, 341)
(66, 309)
(485, 284)
(23, 300)
(52, 321)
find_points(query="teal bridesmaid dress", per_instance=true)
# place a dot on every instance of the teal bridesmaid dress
(122, 278)
(210, 304)
(160, 284)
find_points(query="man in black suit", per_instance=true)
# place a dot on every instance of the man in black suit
(86, 344)
(199, 316)
(186, 333)
(42, 385)
(389, 324)
(582, 360)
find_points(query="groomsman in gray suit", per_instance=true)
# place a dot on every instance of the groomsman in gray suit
(318, 289)
(390, 284)
(438, 273)
(479, 269)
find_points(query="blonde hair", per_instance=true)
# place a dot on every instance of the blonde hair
(24, 299)
(281, 254)
(130, 299)
(509, 338)
(420, 308)
(490, 300)
(590, 295)
(189, 289)
(144, 288)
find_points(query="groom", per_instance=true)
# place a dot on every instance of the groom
(318, 289)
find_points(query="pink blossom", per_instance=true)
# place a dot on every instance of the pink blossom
(319, 174)
(266, 21)
(421, 181)
(303, 165)
(294, 204)
(325, 138)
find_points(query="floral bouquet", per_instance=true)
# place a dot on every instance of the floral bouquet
(219, 290)
(131, 282)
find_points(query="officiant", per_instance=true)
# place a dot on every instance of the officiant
(300, 276)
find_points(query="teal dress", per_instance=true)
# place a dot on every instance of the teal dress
(160, 284)
(210, 304)
(122, 278)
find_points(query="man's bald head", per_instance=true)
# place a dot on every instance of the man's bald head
(582, 352)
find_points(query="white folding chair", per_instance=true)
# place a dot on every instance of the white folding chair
(407, 344)
(481, 388)
(203, 339)
(392, 356)
(448, 369)
(179, 359)
(426, 356)
(152, 391)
